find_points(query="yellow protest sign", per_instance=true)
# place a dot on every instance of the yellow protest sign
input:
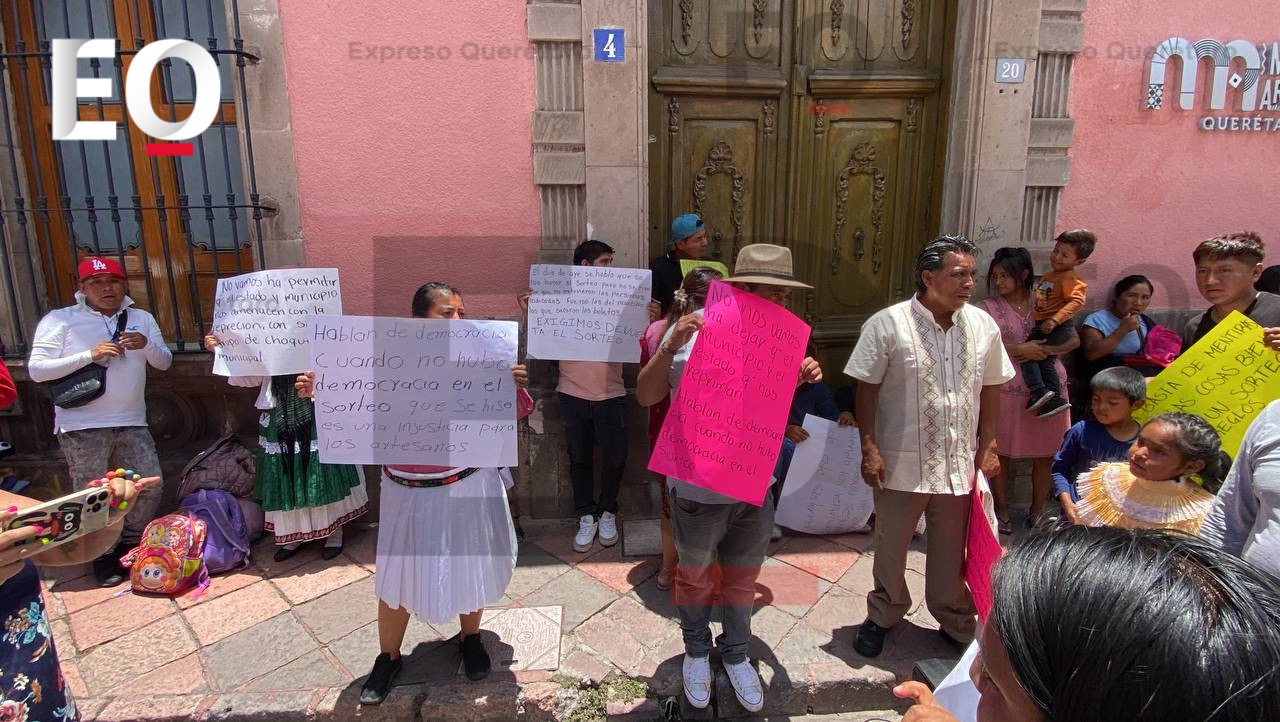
(1228, 377)
(686, 266)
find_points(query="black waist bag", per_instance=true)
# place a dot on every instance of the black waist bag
(84, 384)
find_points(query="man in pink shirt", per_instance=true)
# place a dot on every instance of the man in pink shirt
(593, 404)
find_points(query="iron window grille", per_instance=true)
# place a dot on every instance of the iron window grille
(176, 223)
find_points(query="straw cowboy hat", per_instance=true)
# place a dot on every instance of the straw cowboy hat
(765, 263)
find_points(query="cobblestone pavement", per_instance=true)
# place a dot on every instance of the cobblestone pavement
(577, 636)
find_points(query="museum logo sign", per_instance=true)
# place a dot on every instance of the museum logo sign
(1252, 69)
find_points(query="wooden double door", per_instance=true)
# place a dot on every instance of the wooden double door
(815, 124)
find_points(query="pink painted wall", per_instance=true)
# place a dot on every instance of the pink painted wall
(1152, 183)
(433, 153)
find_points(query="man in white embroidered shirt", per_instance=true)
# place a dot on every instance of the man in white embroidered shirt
(929, 372)
(110, 431)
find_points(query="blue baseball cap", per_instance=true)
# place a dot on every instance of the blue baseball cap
(683, 227)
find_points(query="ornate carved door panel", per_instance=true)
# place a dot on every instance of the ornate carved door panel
(716, 119)
(812, 123)
(864, 213)
(722, 164)
(864, 153)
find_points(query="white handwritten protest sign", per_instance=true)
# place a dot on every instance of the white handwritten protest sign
(824, 492)
(414, 391)
(261, 319)
(588, 313)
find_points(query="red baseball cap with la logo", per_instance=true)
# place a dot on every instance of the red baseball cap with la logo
(95, 266)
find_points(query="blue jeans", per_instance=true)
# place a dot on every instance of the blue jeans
(736, 536)
(783, 466)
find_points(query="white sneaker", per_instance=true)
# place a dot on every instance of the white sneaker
(746, 685)
(586, 534)
(697, 681)
(608, 529)
(776, 534)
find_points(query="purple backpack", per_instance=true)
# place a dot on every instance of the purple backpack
(226, 545)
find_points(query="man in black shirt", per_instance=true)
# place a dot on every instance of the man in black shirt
(1226, 269)
(688, 242)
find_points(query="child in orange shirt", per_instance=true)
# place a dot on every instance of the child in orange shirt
(1060, 295)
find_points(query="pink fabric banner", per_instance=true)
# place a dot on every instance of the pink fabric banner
(724, 429)
(982, 547)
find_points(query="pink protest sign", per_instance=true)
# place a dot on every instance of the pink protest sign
(724, 429)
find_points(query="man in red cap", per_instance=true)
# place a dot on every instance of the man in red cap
(109, 432)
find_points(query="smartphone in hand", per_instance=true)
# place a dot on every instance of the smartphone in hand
(66, 518)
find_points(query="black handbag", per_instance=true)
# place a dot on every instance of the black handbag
(88, 383)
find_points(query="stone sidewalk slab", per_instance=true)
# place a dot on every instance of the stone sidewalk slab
(533, 634)
(116, 617)
(339, 613)
(256, 651)
(247, 606)
(581, 635)
(641, 537)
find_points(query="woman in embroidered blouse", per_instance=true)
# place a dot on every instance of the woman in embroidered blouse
(302, 498)
(446, 542)
(1020, 436)
(31, 683)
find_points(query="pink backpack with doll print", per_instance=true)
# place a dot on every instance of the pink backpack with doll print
(170, 557)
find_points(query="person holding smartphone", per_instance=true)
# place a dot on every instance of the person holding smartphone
(30, 678)
(104, 327)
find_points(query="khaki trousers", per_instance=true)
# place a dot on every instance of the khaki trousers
(90, 453)
(946, 519)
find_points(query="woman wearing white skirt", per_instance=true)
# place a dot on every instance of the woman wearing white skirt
(446, 542)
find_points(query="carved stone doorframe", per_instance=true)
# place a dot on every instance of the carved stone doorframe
(964, 121)
(982, 185)
(590, 135)
(1006, 158)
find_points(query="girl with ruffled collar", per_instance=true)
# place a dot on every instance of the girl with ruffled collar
(1175, 467)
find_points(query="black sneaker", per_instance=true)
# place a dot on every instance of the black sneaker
(107, 569)
(475, 660)
(1055, 406)
(870, 639)
(379, 682)
(1034, 402)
